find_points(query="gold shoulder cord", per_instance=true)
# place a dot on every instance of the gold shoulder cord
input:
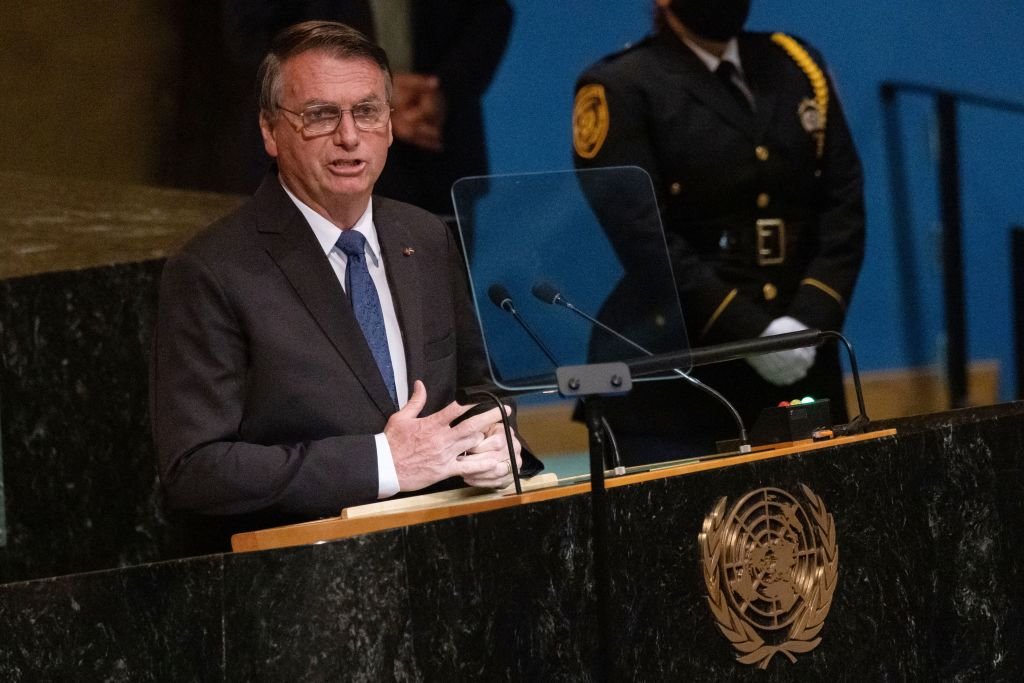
(814, 75)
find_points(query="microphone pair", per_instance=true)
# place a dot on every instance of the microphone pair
(502, 298)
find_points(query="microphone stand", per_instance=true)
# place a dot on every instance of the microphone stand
(590, 383)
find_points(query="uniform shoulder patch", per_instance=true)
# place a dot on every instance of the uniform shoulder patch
(590, 120)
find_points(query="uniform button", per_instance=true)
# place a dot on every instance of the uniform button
(675, 188)
(770, 291)
(761, 152)
(763, 200)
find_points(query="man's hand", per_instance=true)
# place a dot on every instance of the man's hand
(426, 449)
(420, 110)
(491, 456)
(783, 368)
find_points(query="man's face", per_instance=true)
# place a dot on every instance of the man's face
(333, 173)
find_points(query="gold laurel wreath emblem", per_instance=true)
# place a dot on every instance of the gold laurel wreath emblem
(803, 632)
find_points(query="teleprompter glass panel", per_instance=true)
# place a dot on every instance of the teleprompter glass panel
(546, 250)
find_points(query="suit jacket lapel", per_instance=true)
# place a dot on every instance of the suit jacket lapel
(291, 243)
(404, 279)
(701, 83)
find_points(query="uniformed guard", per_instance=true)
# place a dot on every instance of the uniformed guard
(761, 196)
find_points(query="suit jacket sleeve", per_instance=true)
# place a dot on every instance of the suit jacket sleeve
(828, 281)
(199, 406)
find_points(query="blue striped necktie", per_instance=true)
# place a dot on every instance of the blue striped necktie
(366, 305)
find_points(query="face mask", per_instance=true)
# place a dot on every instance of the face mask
(712, 19)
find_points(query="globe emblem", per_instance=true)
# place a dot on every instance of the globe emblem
(770, 558)
(771, 568)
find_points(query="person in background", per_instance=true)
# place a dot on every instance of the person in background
(308, 345)
(760, 191)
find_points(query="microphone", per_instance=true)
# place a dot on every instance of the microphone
(546, 292)
(502, 298)
(549, 294)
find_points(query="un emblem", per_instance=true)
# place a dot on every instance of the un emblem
(770, 566)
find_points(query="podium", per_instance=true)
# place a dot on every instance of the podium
(927, 525)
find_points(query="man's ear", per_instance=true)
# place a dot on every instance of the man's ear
(267, 131)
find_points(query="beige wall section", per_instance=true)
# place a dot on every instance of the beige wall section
(86, 84)
(916, 391)
(887, 393)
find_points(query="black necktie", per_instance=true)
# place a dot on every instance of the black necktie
(728, 75)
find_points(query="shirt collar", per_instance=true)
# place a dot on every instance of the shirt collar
(327, 233)
(731, 54)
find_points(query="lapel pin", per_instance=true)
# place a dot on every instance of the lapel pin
(408, 251)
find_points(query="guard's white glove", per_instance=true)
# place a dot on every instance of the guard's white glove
(783, 368)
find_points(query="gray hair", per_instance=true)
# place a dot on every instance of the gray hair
(335, 39)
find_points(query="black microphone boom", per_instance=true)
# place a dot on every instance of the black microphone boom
(549, 294)
(502, 298)
(719, 353)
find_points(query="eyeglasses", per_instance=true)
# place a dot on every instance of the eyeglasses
(322, 119)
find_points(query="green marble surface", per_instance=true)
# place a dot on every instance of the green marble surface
(52, 224)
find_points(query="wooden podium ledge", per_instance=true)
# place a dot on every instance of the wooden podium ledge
(447, 504)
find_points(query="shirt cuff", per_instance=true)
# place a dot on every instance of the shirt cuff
(387, 477)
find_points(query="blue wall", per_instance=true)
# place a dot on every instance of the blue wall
(896, 317)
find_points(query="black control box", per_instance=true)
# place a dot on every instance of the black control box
(794, 422)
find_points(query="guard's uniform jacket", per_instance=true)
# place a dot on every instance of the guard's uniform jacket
(763, 210)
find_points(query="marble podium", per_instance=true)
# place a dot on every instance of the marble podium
(929, 584)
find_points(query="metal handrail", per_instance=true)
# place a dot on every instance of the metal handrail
(951, 213)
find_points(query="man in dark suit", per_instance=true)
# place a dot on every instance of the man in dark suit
(300, 339)
(760, 192)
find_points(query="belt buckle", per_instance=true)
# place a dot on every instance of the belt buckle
(771, 241)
